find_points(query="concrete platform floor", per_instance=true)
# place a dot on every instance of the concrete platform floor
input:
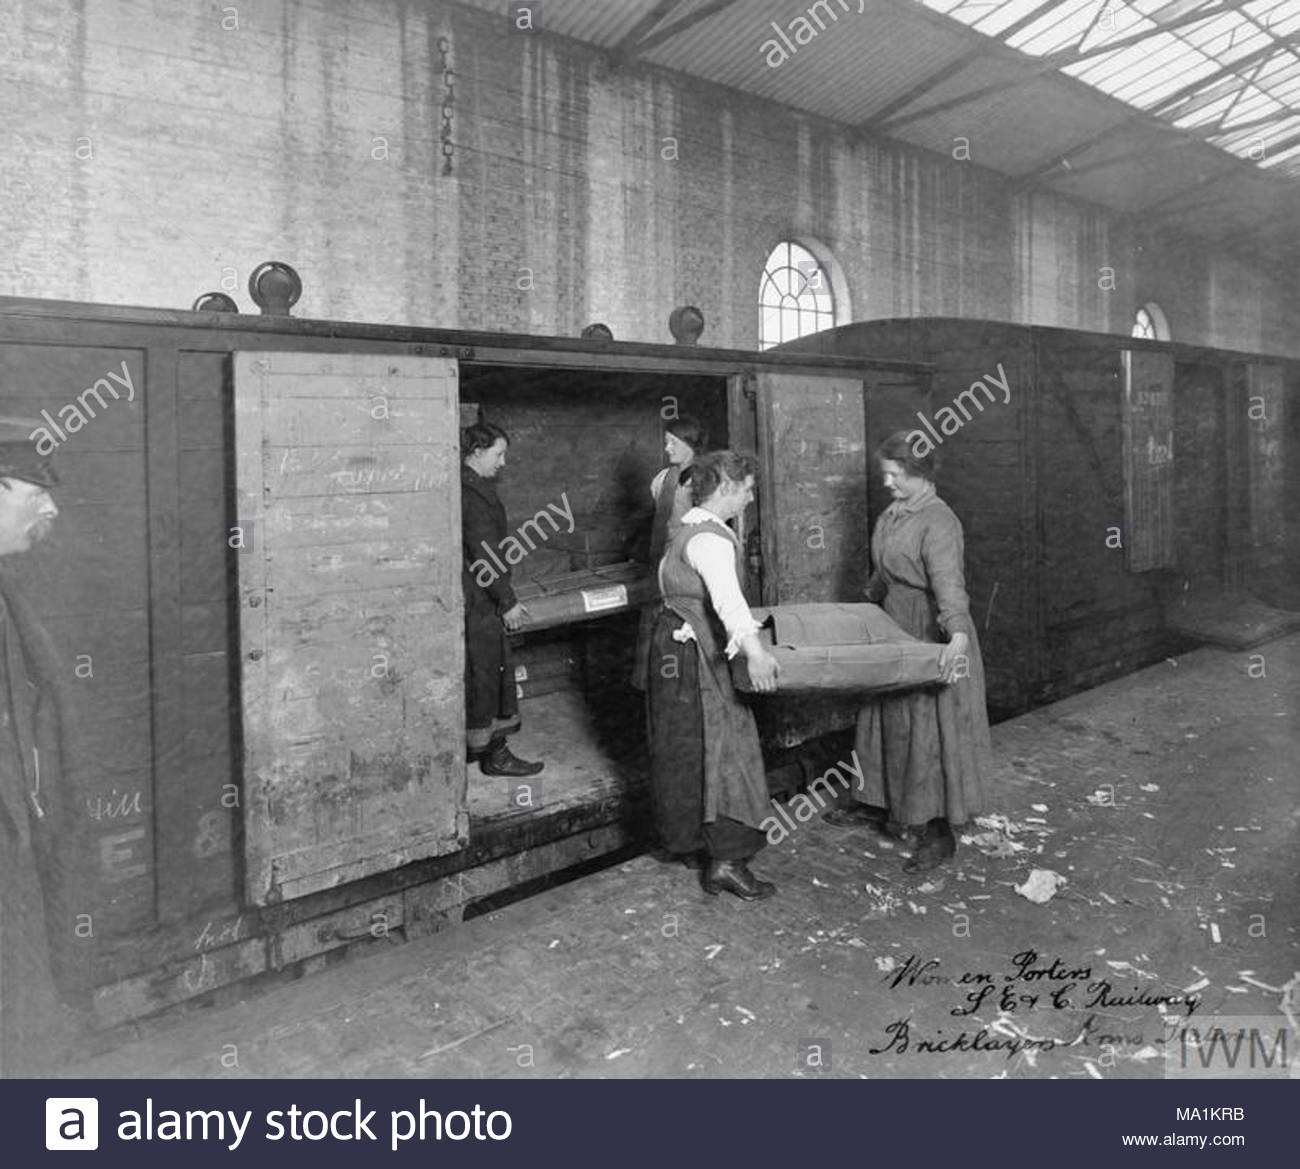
(1169, 800)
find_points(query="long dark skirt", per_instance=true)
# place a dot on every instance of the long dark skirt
(36, 1029)
(491, 704)
(676, 726)
(925, 753)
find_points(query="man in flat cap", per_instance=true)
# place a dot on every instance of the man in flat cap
(40, 828)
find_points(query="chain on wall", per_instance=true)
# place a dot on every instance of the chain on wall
(448, 103)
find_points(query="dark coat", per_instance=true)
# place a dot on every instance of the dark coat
(43, 850)
(482, 530)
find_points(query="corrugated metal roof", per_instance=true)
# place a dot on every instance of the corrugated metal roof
(861, 53)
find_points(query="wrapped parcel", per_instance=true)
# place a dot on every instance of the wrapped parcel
(584, 596)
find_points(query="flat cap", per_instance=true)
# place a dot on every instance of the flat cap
(19, 458)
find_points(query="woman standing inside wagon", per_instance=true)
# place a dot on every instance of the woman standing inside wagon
(685, 439)
(924, 753)
(708, 784)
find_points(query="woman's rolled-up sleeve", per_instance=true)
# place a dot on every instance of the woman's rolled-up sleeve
(714, 558)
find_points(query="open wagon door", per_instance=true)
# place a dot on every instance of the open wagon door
(813, 507)
(813, 489)
(351, 631)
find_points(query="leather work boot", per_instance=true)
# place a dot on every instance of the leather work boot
(936, 845)
(735, 877)
(498, 760)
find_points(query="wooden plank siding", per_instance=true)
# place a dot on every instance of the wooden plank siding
(347, 470)
(1148, 419)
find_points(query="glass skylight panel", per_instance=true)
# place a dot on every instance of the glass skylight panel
(1116, 72)
(1147, 73)
(1205, 116)
(1057, 29)
(1158, 87)
(992, 16)
(1287, 156)
(1225, 40)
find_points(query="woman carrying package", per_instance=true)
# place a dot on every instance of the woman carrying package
(708, 784)
(924, 753)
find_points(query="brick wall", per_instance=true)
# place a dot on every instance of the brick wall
(157, 150)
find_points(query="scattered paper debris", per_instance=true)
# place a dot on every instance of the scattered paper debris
(993, 844)
(1039, 807)
(1214, 933)
(912, 905)
(1149, 787)
(1041, 885)
(711, 953)
(820, 884)
(749, 1015)
(617, 1052)
(886, 903)
(886, 964)
(1201, 984)
(1129, 968)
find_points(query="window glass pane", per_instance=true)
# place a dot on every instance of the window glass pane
(795, 295)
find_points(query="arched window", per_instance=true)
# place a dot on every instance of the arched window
(1149, 323)
(795, 297)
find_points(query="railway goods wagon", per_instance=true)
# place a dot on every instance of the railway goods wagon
(254, 588)
(1122, 498)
